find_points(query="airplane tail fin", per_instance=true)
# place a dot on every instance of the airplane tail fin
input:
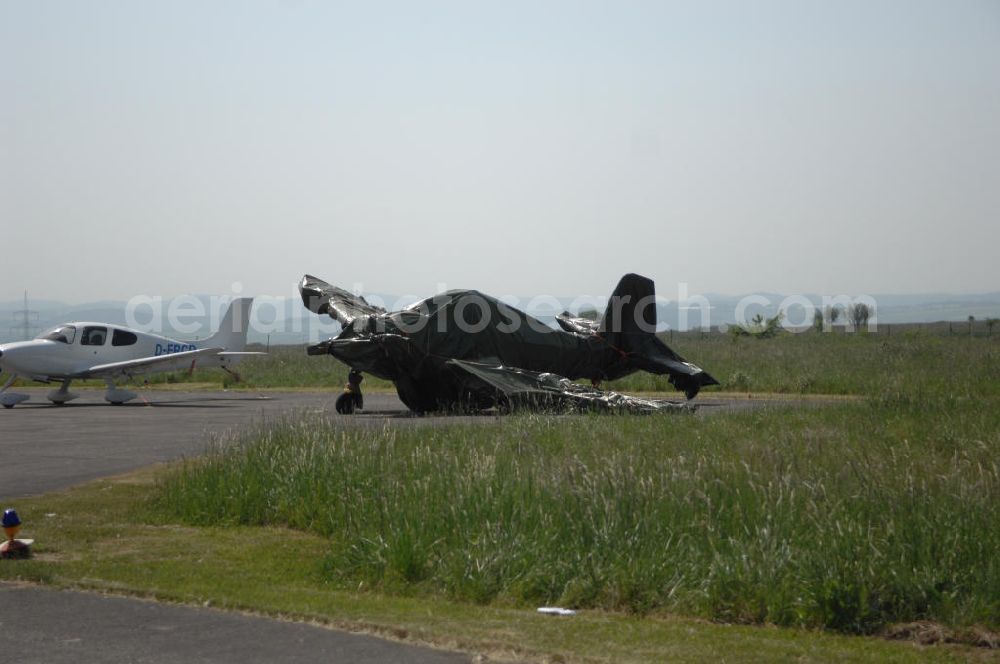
(631, 313)
(629, 324)
(232, 333)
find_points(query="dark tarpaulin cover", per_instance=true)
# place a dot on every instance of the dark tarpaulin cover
(413, 347)
(517, 389)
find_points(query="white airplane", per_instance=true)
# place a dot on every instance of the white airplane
(77, 351)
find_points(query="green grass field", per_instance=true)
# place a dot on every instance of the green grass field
(878, 515)
(99, 537)
(808, 363)
(849, 517)
(909, 361)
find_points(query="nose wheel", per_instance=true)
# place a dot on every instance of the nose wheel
(11, 399)
(351, 399)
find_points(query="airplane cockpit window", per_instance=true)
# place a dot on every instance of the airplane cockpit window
(63, 334)
(123, 338)
(93, 336)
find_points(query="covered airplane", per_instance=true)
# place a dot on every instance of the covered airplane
(76, 351)
(463, 350)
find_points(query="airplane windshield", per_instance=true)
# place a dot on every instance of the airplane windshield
(63, 333)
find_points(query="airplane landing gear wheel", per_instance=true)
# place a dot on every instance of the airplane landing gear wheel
(348, 402)
(351, 399)
(8, 405)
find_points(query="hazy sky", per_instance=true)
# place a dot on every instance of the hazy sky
(514, 147)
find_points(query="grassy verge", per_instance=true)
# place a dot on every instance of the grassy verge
(850, 517)
(98, 537)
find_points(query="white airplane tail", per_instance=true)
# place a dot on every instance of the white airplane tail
(232, 334)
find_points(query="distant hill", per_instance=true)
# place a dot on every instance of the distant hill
(285, 320)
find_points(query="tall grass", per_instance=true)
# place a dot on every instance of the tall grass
(845, 517)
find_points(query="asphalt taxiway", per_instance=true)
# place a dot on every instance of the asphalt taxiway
(47, 447)
(66, 627)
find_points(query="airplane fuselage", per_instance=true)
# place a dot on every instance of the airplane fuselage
(73, 348)
(417, 347)
(76, 351)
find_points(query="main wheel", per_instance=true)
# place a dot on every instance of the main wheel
(8, 405)
(348, 402)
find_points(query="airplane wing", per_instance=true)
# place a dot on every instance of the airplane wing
(322, 298)
(177, 361)
(533, 390)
